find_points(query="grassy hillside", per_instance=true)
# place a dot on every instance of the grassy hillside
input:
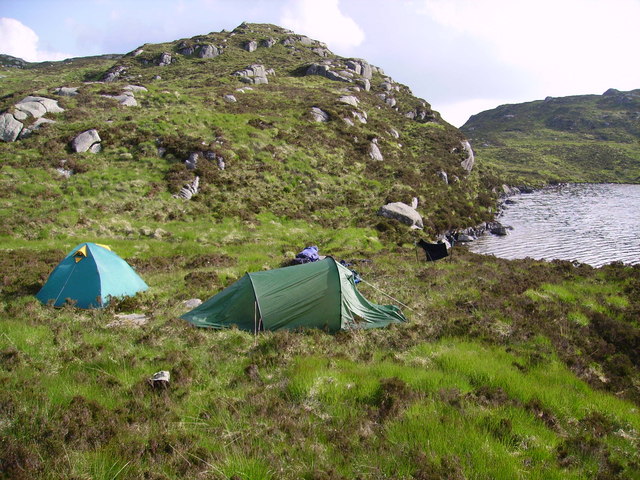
(585, 138)
(277, 159)
(506, 369)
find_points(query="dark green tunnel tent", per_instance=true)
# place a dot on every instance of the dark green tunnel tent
(321, 295)
(89, 276)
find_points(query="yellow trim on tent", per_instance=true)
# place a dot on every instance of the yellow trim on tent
(80, 253)
(104, 246)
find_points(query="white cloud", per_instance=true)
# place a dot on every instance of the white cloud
(568, 46)
(322, 21)
(18, 40)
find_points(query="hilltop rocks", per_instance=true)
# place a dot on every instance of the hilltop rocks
(360, 67)
(88, 141)
(114, 73)
(324, 70)
(192, 162)
(66, 91)
(374, 151)
(421, 114)
(319, 115)
(403, 213)
(189, 190)
(126, 99)
(164, 59)
(199, 50)
(12, 126)
(36, 107)
(468, 162)
(254, 74)
(360, 116)
(207, 51)
(349, 100)
(250, 46)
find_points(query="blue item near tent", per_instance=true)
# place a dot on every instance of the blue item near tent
(356, 275)
(309, 254)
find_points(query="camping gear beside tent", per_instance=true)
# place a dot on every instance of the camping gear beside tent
(434, 251)
(89, 276)
(320, 294)
(309, 254)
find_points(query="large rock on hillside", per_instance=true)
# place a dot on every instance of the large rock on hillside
(255, 74)
(403, 213)
(468, 162)
(10, 128)
(87, 141)
(11, 124)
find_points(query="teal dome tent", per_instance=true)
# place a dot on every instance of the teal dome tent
(320, 294)
(89, 276)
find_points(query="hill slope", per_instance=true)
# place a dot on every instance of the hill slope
(583, 138)
(244, 106)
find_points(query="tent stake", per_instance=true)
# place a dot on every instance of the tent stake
(394, 299)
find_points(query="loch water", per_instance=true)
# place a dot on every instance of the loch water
(594, 224)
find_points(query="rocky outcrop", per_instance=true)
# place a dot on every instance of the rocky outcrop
(403, 213)
(37, 106)
(207, 51)
(254, 74)
(374, 151)
(114, 73)
(189, 190)
(421, 114)
(468, 162)
(360, 67)
(349, 100)
(199, 50)
(88, 141)
(164, 59)
(268, 42)
(127, 97)
(325, 70)
(192, 162)
(10, 128)
(14, 123)
(319, 115)
(66, 91)
(250, 46)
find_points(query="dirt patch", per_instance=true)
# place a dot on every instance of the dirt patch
(393, 396)
(211, 260)
(86, 424)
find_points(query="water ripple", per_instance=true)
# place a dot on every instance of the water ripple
(588, 223)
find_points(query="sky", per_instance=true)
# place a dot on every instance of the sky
(461, 56)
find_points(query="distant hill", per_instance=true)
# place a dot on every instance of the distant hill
(582, 138)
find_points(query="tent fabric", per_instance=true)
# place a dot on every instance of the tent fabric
(434, 251)
(320, 294)
(89, 276)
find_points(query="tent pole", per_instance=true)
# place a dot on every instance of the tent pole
(255, 319)
(394, 299)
